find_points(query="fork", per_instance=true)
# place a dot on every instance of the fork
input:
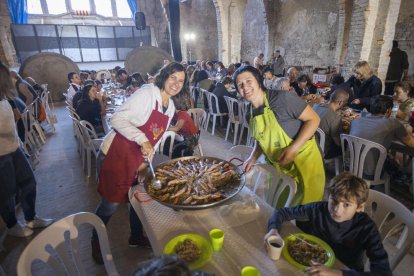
(303, 240)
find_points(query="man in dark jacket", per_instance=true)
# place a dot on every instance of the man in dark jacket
(220, 91)
(397, 68)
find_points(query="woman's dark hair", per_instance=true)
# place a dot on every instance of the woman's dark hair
(8, 90)
(210, 64)
(405, 86)
(139, 79)
(89, 82)
(256, 74)
(201, 75)
(219, 63)
(226, 80)
(337, 79)
(166, 71)
(97, 82)
(120, 72)
(380, 104)
(268, 69)
(85, 91)
(182, 101)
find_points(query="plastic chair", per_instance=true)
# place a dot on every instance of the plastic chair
(91, 143)
(161, 143)
(358, 149)
(199, 117)
(50, 117)
(320, 134)
(266, 182)
(244, 107)
(233, 119)
(210, 98)
(391, 216)
(57, 247)
(239, 152)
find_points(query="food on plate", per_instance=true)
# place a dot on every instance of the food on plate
(194, 181)
(304, 251)
(187, 251)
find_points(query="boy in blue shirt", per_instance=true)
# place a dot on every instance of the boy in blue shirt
(342, 223)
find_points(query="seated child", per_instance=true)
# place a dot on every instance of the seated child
(342, 223)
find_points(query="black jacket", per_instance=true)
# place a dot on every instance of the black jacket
(364, 91)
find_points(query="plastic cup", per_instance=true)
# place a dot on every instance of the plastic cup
(217, 237)
(250, 271)
(274, 247)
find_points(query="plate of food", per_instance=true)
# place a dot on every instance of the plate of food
(195, 182)
(300, 249)
(191, 248)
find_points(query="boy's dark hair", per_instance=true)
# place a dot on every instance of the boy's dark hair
(268, 69)
(226, 80)
(380, 104)
(166, 71)
(70, 76)
(348, 186)
(256, 74)
(304, 78)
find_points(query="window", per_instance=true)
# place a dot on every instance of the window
(103, 7)
(34, 7)
(122, 9)
(82, 5)
(56, 6)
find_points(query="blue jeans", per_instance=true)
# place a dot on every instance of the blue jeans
(106, 209)
(16, 175)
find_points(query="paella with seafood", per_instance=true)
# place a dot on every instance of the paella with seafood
(195, 181)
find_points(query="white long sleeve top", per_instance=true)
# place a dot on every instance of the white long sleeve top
(71, 90)
(134, 113)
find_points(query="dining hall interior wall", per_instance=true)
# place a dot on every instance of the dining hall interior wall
(404, 31)
(255, 34)
(198, 17)
(7, 51)
(305, 31)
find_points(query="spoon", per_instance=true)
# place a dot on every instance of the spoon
(155, 183)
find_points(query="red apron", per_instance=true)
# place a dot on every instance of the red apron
(119, 168)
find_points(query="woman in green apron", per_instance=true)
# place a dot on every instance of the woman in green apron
(283, 126)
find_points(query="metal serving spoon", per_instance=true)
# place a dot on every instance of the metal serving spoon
(155, 183)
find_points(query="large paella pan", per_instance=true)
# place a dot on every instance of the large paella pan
(195, 182)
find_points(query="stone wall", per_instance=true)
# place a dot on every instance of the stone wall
(7, 52)
(199, 17)
(404, 32)
(305, 31)
(255, 34)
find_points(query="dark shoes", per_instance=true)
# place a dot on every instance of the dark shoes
(142, 241)
(96, 252)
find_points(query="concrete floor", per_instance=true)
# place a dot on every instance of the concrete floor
(64, 189)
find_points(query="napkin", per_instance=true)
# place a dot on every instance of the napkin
(240, 212)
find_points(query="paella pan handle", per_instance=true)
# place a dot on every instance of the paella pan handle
(238, 159)
(137, 194)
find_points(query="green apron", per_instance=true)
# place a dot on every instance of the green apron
(307, 169)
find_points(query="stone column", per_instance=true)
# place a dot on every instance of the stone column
(7, 51)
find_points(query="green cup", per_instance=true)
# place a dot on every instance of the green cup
(250, 271)
(217, 237)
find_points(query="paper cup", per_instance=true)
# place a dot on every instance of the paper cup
(217, 237)
(250, 271)
(274, 247)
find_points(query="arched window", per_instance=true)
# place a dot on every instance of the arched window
(122, 9)
(34, 7)
(104, 7)
(56, 6)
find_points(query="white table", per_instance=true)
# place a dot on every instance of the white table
(243, 245)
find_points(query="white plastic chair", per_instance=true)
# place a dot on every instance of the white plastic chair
(165, 136)
(91, 143)
(322, 140)
(244, 107)
(266, 182)
(239, 152)
(199, 117)
(391, 216)
(233, 119)
(57, 247)
(358, 149)
(210, 98)
(50, 117)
